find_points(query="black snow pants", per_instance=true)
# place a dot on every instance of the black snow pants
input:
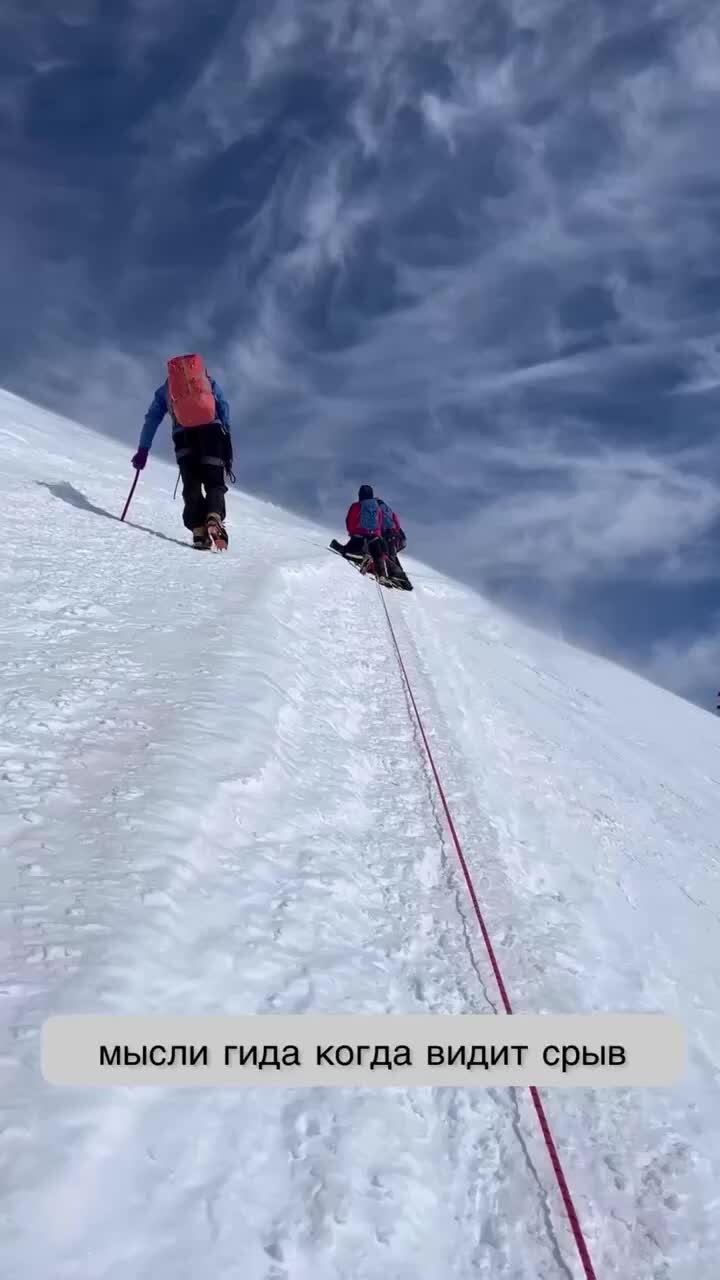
(375, 547)
(200, 453)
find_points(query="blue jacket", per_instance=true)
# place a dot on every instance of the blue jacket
(160, 406)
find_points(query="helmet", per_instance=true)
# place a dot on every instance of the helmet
(365, 491)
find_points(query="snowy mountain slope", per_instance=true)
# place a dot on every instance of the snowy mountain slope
(212, 800)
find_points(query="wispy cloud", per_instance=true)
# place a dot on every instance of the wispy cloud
(689, 664)
(467, 250)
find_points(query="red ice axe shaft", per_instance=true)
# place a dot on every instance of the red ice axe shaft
(129, 497)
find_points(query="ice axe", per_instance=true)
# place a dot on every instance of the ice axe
(130, 496)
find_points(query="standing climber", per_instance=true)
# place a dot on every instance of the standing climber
(395, 542)
(203, 445)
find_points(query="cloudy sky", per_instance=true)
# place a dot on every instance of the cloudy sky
(465, 250)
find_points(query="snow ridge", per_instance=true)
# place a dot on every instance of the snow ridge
(213, 799)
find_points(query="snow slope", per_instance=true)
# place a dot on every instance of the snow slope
(212, 799)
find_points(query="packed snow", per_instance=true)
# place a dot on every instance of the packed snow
(213, 799)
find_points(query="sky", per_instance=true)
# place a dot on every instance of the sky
(467, 252)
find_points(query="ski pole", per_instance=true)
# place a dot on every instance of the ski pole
(129, 498)
(176, 485)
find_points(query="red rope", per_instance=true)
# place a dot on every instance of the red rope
(564, 1189)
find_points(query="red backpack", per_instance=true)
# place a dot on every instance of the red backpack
(190, 394)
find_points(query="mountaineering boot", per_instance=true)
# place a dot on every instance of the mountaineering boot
(337, 546)
(201, 540)
(217, 532)
(399, 576)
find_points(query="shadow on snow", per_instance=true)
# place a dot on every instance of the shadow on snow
(68, 493)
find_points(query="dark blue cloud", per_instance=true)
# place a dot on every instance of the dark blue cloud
(467, 252)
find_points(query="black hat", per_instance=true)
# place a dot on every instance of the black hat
(365, 491)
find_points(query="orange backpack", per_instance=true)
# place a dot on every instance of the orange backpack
(190, 394)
